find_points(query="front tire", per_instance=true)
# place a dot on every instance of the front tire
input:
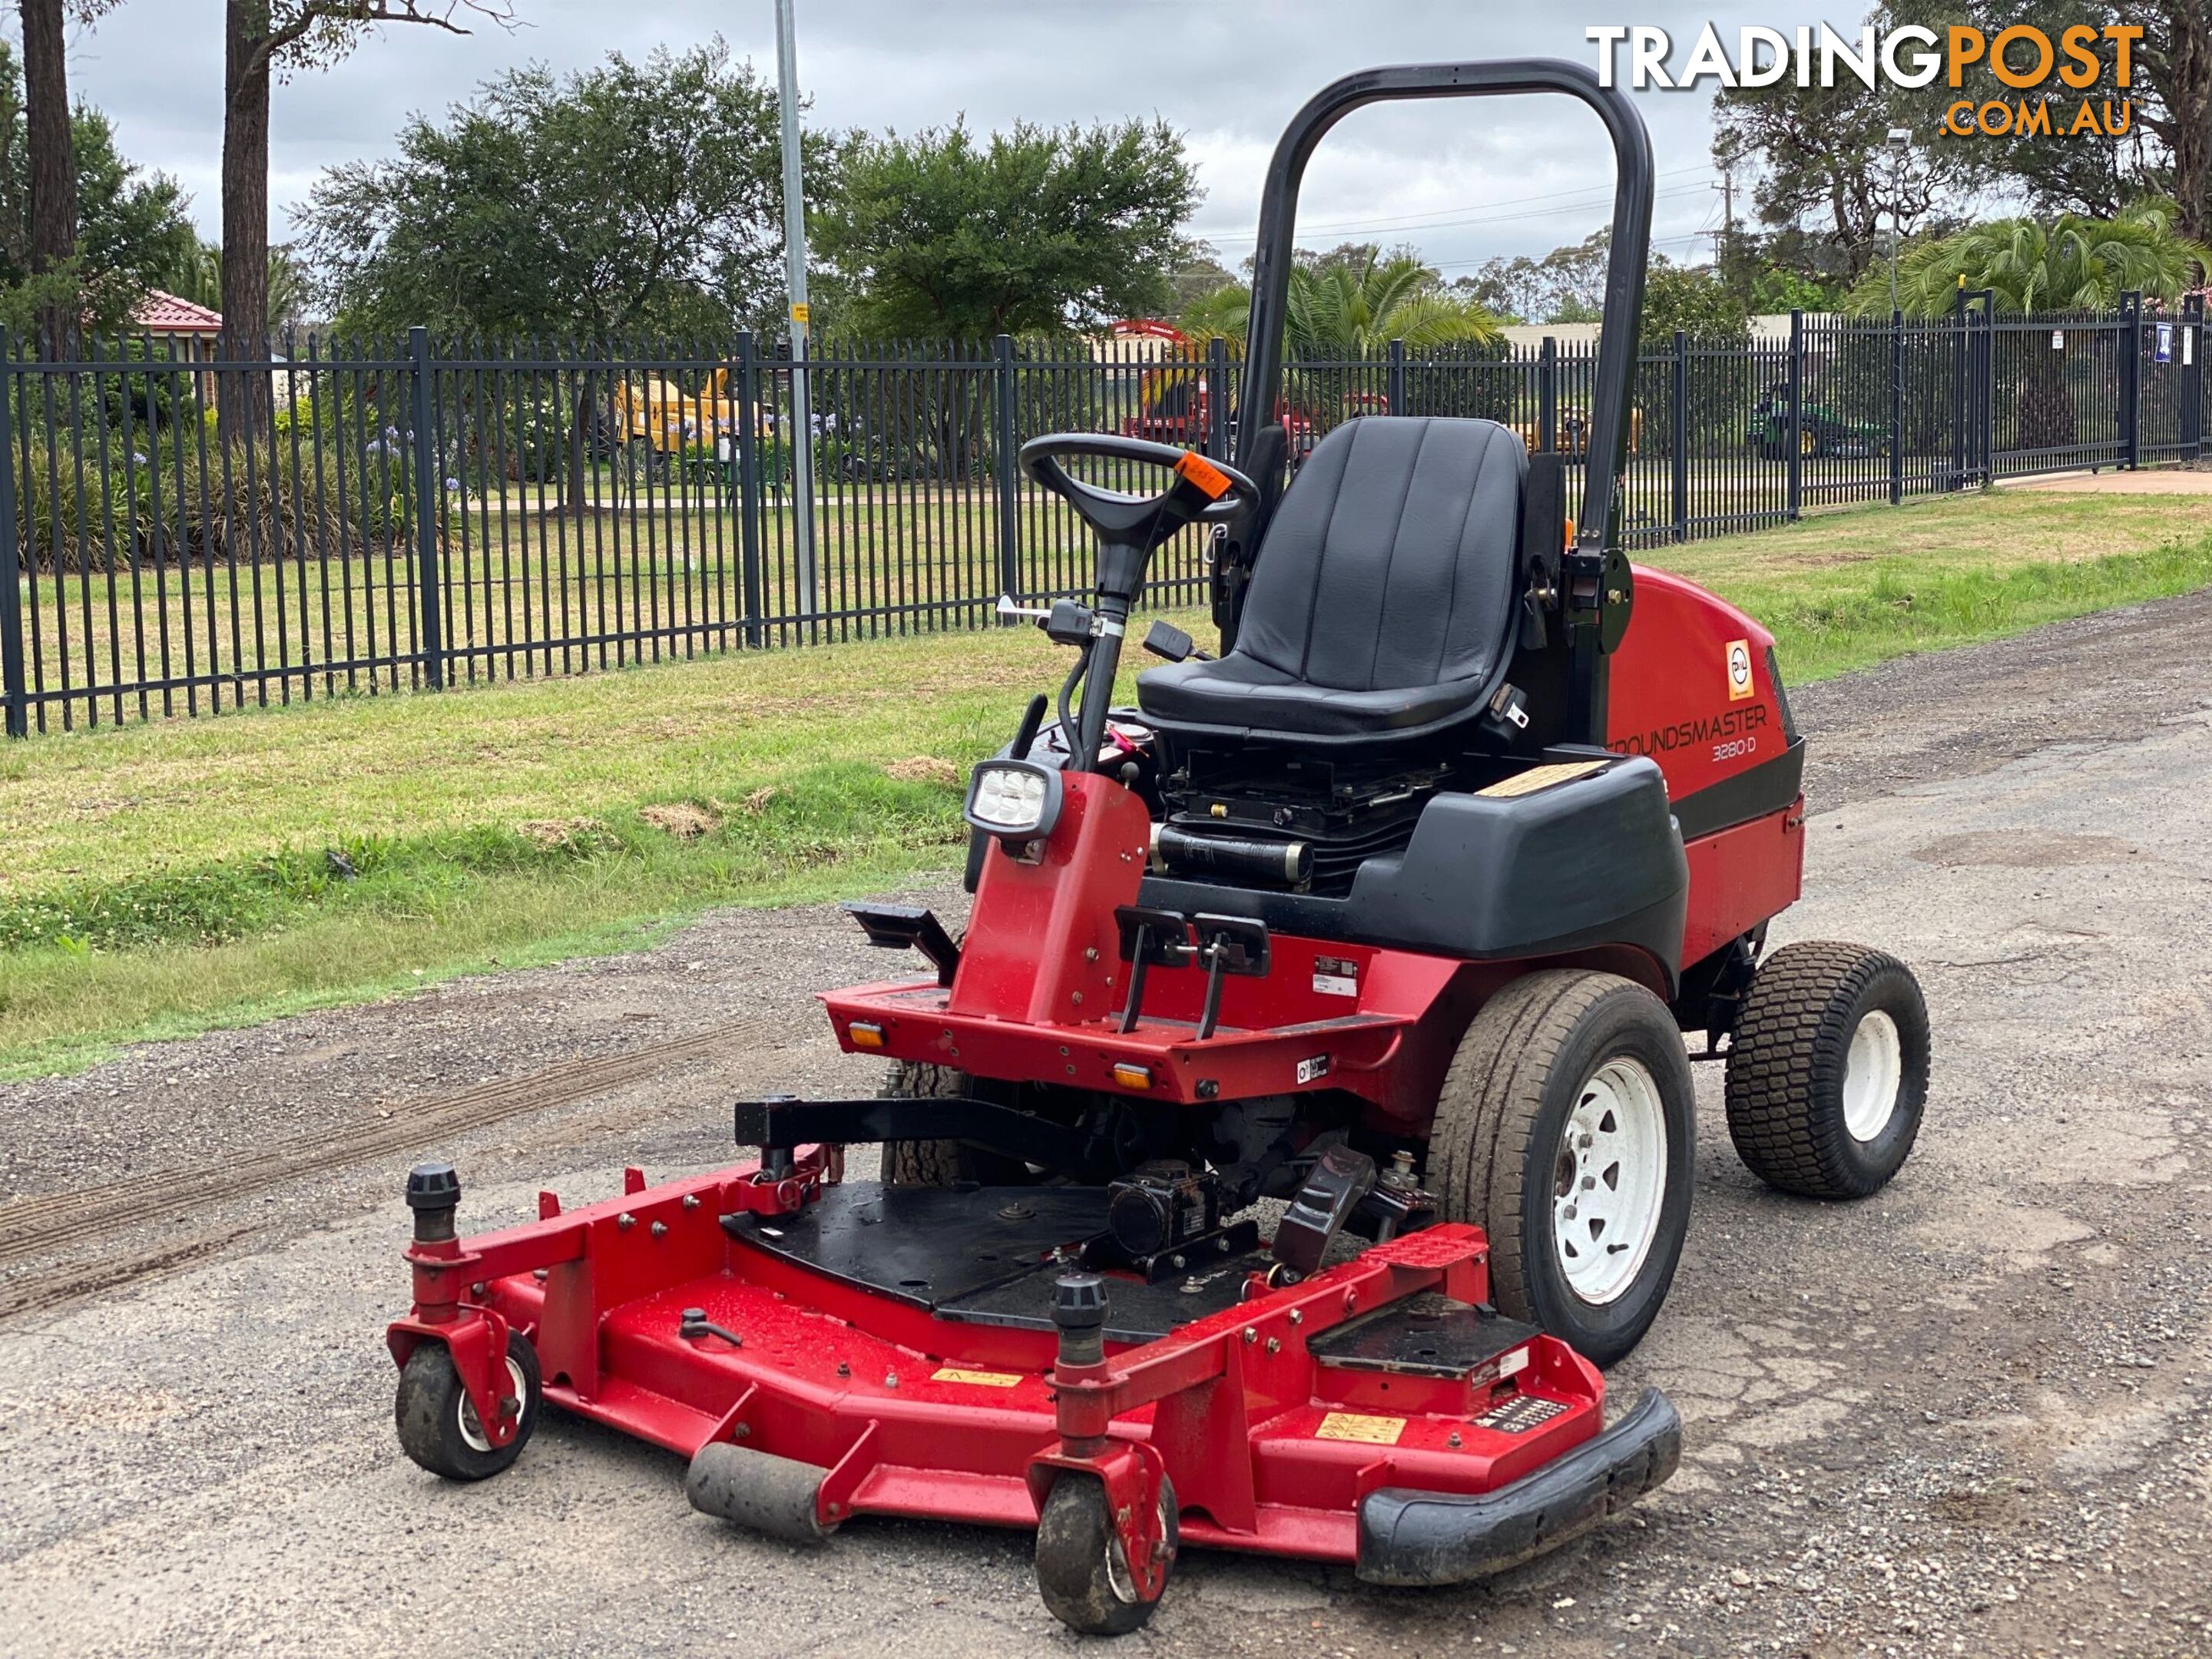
(440, 1429)
(1565, 1129)
(1827, 1073)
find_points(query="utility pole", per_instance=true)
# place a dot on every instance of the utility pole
(1900, 145)
(794, 262)
(1727, 188)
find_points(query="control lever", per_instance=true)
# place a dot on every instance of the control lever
(1010, 612)
(1341, 1179)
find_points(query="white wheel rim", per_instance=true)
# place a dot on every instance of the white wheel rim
(472, 1426)
(1609, 1181)
(1874, 1069)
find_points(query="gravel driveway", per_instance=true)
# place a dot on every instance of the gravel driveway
(1967, 1417)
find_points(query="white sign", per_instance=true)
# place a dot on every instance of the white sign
(2058, 339)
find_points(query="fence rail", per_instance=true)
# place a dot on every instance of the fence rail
(177, 537)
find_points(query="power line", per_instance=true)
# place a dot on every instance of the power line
(1572, 202)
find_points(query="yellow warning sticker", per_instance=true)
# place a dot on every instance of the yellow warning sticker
(979, 1379)
(1541, 777)
(1351, 1425)
(1739, 671)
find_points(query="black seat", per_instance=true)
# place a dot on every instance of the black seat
(1383, 602)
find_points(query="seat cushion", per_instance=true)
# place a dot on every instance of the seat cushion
(1383, 602)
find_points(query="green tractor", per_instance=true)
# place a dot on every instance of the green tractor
(1821, 429)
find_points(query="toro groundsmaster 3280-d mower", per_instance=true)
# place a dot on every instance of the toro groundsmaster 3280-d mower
(1396, 912)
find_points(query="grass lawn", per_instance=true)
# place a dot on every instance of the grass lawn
(157, 879)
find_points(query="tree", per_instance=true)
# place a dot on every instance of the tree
(1037, 229)
(498, 220)
(262, 38)
(1567, 285)
(1352, 301)
(196, 276)
(1829, 185)
(129, 227)
(2029, 265)
(2168, 149)
(1690, 300)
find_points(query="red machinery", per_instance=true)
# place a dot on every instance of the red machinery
(1396, 913)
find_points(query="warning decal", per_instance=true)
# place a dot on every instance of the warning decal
(1520, 1414)
(979, 1379)
(1351, 1425)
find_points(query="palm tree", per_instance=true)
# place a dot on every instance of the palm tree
(1351, 308)
(2036, 265)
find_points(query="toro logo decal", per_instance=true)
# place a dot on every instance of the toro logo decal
(1739, 671)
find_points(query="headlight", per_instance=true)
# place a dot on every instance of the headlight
(1018, 799)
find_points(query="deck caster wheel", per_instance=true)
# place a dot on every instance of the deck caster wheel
(438, 1426)
(1565, 1130)
(1828, 1071)
(1082, 1572)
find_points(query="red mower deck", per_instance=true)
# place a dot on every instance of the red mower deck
(1377, 1413)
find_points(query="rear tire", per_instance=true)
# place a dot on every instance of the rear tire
(1828, 1074)
(940, 1163)
(922, 1163)
(1565, 1129)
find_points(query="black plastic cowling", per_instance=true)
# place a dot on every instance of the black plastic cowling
(1408, 1537)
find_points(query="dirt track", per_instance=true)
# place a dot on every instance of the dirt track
(1969, 1417)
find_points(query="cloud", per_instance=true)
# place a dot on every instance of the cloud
(1461, 180)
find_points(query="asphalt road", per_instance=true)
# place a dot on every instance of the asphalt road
(1970, 1416)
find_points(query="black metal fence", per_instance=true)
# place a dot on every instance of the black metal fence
(406, 514)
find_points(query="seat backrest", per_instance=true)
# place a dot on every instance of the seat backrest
(1391, 562)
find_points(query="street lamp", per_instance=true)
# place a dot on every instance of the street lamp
(794, 263)
(1900, 147)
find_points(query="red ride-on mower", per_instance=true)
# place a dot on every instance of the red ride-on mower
(1394, 913)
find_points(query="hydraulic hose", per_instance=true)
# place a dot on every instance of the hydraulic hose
(1069, 734)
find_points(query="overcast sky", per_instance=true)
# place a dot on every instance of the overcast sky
(1463, 181)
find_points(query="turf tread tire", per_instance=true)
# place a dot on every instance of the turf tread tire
(923, 1163)
(1788, 1054)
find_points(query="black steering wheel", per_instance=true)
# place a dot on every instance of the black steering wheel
(1203, 491)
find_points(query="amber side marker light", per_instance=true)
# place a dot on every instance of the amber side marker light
(1132, 1077)
(865, 1036)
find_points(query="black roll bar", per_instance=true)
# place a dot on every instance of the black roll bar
(1608, 455)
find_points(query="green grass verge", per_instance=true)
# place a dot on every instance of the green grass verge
(159, 880)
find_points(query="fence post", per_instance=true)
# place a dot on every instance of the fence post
(1681, 418)
(431, 639)
(1986, 462)
(15, 694)
(2192, 376)
(749, 498)
(1896, 407)
(2130, 332)
(1793, 504)
(1216, 399)
(1009, 554)
(1547, 394)
(1393, 383)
